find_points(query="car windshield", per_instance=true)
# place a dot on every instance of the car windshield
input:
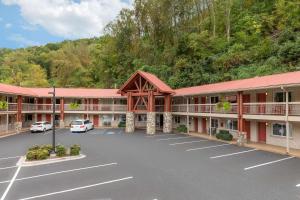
(38, 123)
(76, 122)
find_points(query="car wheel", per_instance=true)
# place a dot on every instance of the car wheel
(85, 130)
(44, 130)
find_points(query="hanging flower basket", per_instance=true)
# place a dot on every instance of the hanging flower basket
(74, 106)
(3, 105)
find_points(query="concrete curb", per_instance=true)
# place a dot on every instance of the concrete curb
(22, 161)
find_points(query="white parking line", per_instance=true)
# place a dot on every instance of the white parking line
(189, 142)
(268, 163)
(298, 185)
(159, 135)
(11, 183)
(10, 157)
(60, 172)
(78, 188)
(10, 167)
(232, 154)
(173, 138)
(207, 147)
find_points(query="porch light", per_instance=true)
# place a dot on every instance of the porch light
(266, 93)
(267, 124)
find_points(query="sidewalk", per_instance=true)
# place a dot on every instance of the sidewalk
(259, 146)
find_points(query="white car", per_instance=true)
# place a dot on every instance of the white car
(41, 126)
(81, 126)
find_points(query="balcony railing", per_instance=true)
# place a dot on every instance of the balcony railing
(39, 107)
(96, 107)
(204, 108)
(271, 108)
(11, 107)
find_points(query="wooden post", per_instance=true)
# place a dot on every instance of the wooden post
(240, 112)
(167, 106)
(19, 109)
(62, 109)
(151, 101)
(129, 102)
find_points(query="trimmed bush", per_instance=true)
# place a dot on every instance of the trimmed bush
(60, 151)
(31, 155)
(122, 124)
(75, 150)
(42, 154)
(47, 147)
(224, 135)
(34, 147)
(181, 128)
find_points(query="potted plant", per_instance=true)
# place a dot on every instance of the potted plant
(3, 105)
(74, 105)
(224, 105)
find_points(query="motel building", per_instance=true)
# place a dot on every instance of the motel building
(264, 108)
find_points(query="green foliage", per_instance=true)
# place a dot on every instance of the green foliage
(224, 105)
(74, 106)
(3, 105)
(184, 43)
(122, 124)
(181, 128)
(75, 150)
(224, 135)
(60, 151)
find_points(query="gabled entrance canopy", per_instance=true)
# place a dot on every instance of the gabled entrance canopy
(141, 89)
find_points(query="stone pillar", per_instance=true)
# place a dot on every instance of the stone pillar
(129, 122)
(151, 122)
(167, 122)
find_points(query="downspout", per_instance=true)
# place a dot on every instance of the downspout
(7, 118)
(287, 124)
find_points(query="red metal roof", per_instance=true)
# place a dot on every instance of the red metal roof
(77, 92)
(271, 81)
(151, 78)
(15, 90)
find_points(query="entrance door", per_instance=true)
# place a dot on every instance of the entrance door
(196, 124)
(204, 125)
(96, 120)
(39, 117)
(262, 132)
(48, 118)
(261, 98)
(247, 128)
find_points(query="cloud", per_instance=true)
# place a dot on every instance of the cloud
(22, 41)
(68, 18)
(8, 25)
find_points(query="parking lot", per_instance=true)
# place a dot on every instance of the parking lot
(120, 166)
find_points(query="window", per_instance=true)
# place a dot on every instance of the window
(177, 119)
(231, 124)
(279, 129)
(214, 123)
(280, 97)
(214, 100)
(142, 118)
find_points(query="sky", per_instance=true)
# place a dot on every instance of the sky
(25, 23)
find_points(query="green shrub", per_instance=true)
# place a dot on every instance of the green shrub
(34, 147)
(47, 147)
(122, 124)
(75, 150)
(42, 154)
(60, 151)
(181, 128)
(224, 135)
(31, 155)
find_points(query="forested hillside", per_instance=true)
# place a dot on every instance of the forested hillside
(184, 42)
